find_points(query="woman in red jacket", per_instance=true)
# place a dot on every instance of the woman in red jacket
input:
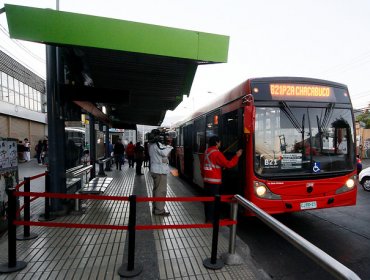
(214, 161)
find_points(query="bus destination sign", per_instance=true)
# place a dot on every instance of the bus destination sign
(300, 92)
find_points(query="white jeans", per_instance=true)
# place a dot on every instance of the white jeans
(27, 156)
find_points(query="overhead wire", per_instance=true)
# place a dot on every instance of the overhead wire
(358, 61)
(7, 47)
(23, 47)
(355, 62)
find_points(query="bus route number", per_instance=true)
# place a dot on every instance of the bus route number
(271, 162)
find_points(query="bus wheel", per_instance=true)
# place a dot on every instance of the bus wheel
(365, 182)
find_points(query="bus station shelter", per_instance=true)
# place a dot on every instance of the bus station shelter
(135, 71)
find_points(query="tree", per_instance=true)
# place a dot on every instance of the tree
(365, 118)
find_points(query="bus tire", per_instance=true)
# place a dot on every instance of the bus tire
(365, 182)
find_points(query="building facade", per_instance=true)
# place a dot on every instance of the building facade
(22, 102)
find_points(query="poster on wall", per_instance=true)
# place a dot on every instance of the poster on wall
(8, 175)
(8, 155)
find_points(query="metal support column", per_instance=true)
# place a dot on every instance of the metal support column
(92, 141)
(107, 153)
(55, 128)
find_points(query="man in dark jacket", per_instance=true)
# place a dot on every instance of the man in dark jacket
(119, 151)
(139, 157)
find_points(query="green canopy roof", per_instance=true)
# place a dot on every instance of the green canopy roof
(64, 28)
(132, 64)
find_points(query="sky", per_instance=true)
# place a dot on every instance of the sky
(324, 39)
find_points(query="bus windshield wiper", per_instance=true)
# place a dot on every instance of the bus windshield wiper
(327, 116)
(288, 112)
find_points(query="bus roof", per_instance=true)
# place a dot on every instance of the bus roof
(240, 90)
(302, 80)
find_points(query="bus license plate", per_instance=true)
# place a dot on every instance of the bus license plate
(308, 205)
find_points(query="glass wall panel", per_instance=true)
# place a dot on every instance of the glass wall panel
(11, 82)
(11, 96)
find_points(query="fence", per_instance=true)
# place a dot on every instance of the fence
(129, 270)
(334, 267)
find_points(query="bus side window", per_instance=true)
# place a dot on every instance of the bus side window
(212, 125)
(199, 137)
(230, 133)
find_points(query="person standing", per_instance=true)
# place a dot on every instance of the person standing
(139, 157)
(159, 168)
(130, 152)
(38, 150)
(214, 161)
(26, 150)
(146, 155)
(118, 151)
(44, 152)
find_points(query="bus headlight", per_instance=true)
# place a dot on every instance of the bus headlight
(262, 191)
(349, 185)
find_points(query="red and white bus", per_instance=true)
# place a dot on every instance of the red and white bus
(298, 140)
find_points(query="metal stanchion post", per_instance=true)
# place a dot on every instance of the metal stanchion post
(213, 262)
(234, 217)
(131, 270)
(27, 235)
(47, 216)
(231, 258)
(12, 265)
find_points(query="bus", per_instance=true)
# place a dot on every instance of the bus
(298, 139)
(77, 135)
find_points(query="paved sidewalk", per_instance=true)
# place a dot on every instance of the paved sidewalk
(62, 253)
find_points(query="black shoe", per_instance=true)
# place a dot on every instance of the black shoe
(165, 214)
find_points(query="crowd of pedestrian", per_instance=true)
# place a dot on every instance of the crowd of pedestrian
(41, 149)
(155, 155)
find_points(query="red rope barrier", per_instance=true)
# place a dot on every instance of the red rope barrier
(19, 211)
(224, 198)
(19, 185)
(227, 198)
(22, 207)
(37, 176)
(184, 199)
(72, 196)
(31, 178)
(225, 222)
(70, 225)
(120, 198)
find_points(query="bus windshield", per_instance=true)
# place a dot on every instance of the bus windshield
(295, 141)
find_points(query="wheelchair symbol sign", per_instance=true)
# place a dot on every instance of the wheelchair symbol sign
(316, 167)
